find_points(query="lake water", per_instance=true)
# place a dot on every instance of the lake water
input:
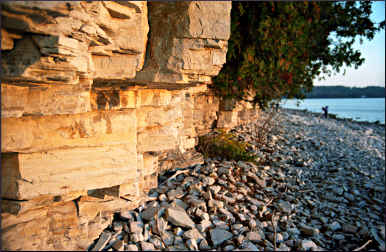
(359, 109)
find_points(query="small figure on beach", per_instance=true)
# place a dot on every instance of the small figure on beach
(277, 107)
(325, 110)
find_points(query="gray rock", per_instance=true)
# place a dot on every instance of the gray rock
(334, 226)
(338, 237)
(136, 227)
(215, 203)
(229, 248)
(146, 232)
(131, 247)
(209, 181)
(168, 238)
(308, 245)
(193, 234)
(285, 207)
(136, 237)
(348, 228)
(162, 197)
(125, 214)
(156, 242)
(204, 225)
(204, 245)
(215, 189)
(117, 226)
(192, 244)
(279, 237)
(221, 224)
(178, 240)
(179, 217)
(175, 193)
(338, 190)
(238, 226)
(255, 236)
(308, 230)
(249, 246)
(219, 235)
(178, 231)
(147, 246)
(180, 203)
(149, 213)
(252, 224)
(102, 241)
(283, 247)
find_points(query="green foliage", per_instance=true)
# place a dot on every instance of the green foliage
(276, 49)
(224, 145)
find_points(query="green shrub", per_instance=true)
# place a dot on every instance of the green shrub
(224, 145)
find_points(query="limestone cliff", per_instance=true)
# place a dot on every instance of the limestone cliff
(98, 98)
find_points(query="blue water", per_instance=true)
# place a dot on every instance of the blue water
(359, 109)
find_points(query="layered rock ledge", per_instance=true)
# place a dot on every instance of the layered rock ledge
(97, 99)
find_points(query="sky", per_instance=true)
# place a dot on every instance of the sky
(372, 71)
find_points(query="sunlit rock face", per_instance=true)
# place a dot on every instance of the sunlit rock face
(97, 99)
(63, 42)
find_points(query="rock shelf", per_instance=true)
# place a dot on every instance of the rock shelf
(317, 184)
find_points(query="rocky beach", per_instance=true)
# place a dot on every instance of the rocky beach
(317, 184)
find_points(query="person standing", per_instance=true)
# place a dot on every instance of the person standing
(325, 110)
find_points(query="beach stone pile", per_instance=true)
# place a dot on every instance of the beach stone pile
(318, 184)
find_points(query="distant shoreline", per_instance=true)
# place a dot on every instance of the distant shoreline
(343, 98)
(330, 116)
(342, 92)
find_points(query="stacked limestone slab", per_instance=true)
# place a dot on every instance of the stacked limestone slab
(97, 99)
